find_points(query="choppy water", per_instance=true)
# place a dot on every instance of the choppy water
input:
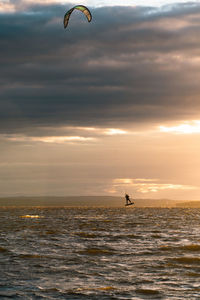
(80, 253)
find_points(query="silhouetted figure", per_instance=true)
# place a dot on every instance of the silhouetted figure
(128, 201)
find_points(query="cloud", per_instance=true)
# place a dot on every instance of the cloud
(184, 128)
(148, 185)
(113, 131)
(48, 139)
(130, 65)
(67, 134)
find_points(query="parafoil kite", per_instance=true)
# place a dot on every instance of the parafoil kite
(82, 8)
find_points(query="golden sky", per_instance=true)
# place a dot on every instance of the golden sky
(100, 108)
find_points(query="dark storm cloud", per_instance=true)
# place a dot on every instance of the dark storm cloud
(128, 65)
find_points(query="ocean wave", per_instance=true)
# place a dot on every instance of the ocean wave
(188, 248)
(3, 250)
(86, 235)
(96, 251)
(148, 292)
(192, 274)
(187, 260)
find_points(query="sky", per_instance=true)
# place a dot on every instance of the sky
(100, 108)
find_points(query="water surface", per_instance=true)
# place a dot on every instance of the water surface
(98, 253)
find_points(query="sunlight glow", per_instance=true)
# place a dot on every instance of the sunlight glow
(185, 128)
(144, 187)
(144, 179)
(48, 139)
(114, 131)
(31, 216)
(61, 139)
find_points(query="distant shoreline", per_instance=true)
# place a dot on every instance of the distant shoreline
(90, 201)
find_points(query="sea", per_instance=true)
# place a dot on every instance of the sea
(99, 253)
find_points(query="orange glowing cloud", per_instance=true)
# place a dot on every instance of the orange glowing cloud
(65, 134)
(149, 185)
(186, 127)
(49, 139)
(114, 131)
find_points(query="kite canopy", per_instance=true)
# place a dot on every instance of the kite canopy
(82, 8)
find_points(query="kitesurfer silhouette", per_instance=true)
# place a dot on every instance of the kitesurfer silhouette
(128, 201)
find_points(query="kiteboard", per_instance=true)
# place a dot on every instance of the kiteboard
(129, 204)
